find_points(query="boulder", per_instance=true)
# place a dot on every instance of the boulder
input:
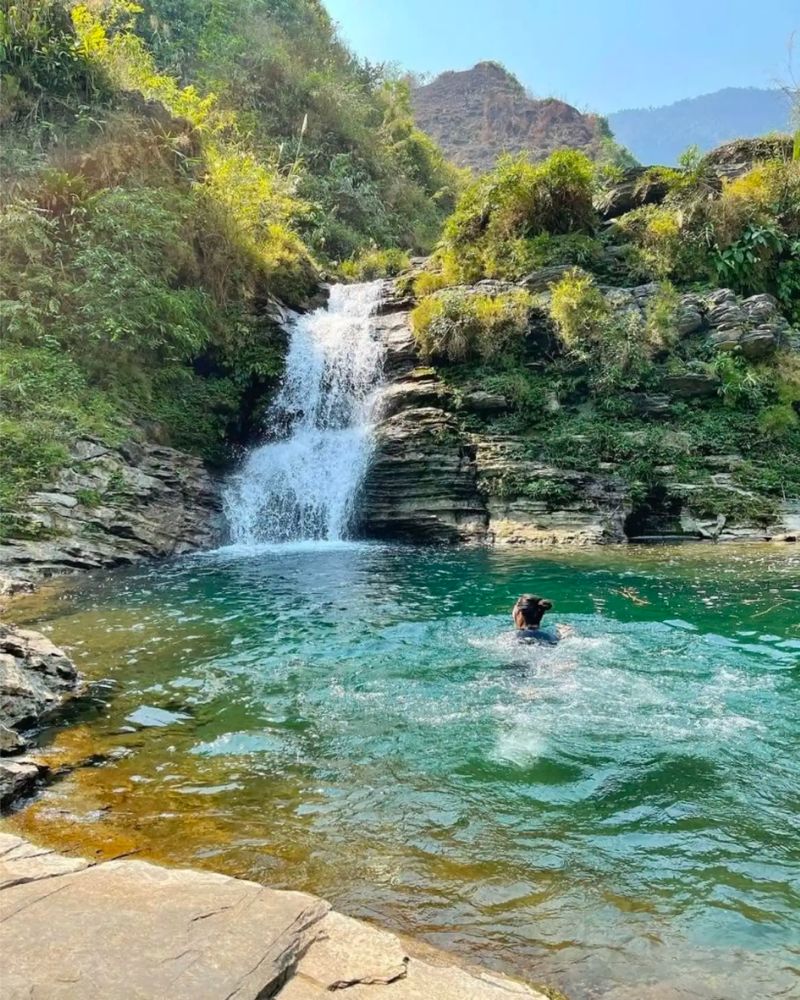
(18, 778)
(691, 385)
(125, 929)
(638, 186)
(735, 158)
(485, 404)
(542, 279)
(758, 343)
(35, 677)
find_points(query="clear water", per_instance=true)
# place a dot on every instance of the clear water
(304, 484)
(617, 816)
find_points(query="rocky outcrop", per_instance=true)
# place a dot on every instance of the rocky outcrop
(110, 507)
(479, 114)
(732, 159)
(122, 929)
(35, 678)
(432, 481)
(444, 470)
(422, 479)
(638, 186)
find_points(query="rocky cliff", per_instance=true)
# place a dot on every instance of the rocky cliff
(446, 469)
(480, 113)
(111, 507)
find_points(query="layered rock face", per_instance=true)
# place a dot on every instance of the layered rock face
(110, 507)
(432, 481)
(422, 481)
(35, 678)
(438, 475)
(479, 114)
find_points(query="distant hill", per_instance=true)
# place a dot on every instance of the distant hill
(477, 114)
(660, 135)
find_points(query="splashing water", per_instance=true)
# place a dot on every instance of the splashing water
(304, 486)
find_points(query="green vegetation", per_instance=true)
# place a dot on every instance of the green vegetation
(373, 264)
(493, 231)
(168, 171)
(460, 325)
(592, 361)
(746, 238)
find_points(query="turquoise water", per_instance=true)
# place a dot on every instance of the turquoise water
(618, 816)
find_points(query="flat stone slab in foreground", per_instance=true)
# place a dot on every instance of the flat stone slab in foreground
(71, 928)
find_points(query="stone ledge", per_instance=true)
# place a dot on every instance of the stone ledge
(72, 929)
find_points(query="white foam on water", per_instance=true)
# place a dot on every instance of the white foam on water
(303, 486)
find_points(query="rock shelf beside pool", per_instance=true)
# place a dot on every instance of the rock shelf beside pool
(129, 929)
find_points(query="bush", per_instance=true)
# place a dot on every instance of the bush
(580, 311)
(427, 283)
(372, 264)
(460, 325)
(486, 234)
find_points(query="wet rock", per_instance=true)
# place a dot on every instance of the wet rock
(421, 482)
(35, 677)
(18, 778)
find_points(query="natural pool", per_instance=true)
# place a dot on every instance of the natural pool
(619, 816)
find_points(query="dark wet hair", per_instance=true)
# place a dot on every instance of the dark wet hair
(532, 608)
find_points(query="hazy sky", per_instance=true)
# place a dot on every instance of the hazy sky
(602, 55)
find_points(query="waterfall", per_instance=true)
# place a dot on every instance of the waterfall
(303, 486)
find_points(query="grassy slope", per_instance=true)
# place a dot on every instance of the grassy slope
(167, 173)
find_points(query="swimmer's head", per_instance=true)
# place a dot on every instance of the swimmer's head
(531, 608)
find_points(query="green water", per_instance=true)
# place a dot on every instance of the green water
(617, 816)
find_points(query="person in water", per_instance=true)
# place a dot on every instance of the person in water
(528, 613)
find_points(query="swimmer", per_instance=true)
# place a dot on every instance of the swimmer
(528, 613)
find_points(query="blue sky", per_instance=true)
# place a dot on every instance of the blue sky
(601, 55)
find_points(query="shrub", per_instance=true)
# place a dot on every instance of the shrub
(427, 283)
(661, 314)
(486, 234)
(776, 421)
(372, 264)
(460, 325)
(579, 310)
(669, 244)
(43, 63)
(741, 385)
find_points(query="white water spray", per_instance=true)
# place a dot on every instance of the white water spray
(304, 485)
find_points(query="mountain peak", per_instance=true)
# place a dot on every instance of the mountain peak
(478, 114)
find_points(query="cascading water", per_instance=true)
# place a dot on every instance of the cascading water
(303, 487)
